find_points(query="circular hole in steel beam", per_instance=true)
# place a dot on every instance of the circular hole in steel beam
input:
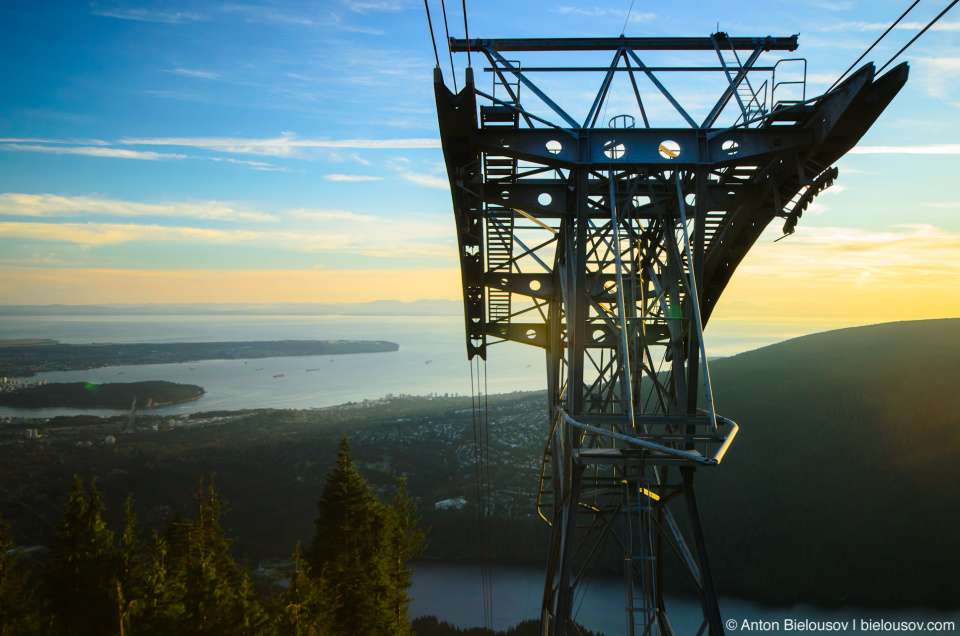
(613, 149)
(669, 149)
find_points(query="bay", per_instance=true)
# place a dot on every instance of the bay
(431, 359)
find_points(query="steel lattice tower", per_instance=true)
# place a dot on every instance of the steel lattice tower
(608, 247)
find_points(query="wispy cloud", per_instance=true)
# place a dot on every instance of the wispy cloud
(434, 178)
(834, 6)
(856, 26)
(95, 151)
(881, 26)
(59, 147)
(822, 274)
(255, 164)
(351, 177)
(257, 13)
(328, 19)
(593, 11)
(943, 205)
(82, 142)
(859, 256)
(114, 233)
(287, 145)
(147, 15)
(363, 7)
(193, 73)
(927, 149)
(51, 205)
(298, 230)
(426, 180)
(599, 12)
(939, 26)
(937, 76)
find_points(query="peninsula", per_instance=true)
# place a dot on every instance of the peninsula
(84, 395)
(24, 360)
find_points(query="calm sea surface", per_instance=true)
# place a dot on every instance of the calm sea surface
(431, 359)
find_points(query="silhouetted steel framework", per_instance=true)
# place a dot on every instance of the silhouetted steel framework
(609, 247)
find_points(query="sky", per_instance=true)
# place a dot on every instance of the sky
(284, 151)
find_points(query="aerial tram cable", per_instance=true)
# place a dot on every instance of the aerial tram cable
(481, 472)
(889, 28)
(624, 29)
(489, 534)
(433, 39)
(453, 71)
(466, 33)
(32, 510)
(478, 391)
(932, 22)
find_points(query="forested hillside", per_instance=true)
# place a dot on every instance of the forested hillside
(843, 484)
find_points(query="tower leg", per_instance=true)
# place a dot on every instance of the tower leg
(711, 607)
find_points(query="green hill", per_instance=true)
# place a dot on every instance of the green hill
(844, 482)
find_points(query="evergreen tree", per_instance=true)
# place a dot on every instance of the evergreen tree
(359, 549)
(162, 602)
(303, 608)
(17, 614)
(81, 580)
(201, 578)
(131, 572)
(406, 542)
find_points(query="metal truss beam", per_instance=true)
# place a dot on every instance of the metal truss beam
(609, 248)
(611, 44)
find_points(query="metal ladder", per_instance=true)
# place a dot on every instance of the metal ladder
(498, 172)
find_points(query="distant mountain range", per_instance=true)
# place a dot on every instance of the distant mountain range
(421, 307)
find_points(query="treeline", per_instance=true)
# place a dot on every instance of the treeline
(115, 395)
(352, 579)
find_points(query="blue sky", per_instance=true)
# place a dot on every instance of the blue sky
(288, 151)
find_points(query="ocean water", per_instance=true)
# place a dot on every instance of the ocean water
(431, 359)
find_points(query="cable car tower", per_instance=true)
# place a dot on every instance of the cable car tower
(607, 243)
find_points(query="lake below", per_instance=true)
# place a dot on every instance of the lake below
(453, 592)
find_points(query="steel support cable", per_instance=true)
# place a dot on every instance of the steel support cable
(694, 297)
(489, 565)
(624, 29)
(29, 508)
(446, 29)
(476, 463)
(624, 339)
(932, 22)
(432, 38)
(466, 33)
(889, 28)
